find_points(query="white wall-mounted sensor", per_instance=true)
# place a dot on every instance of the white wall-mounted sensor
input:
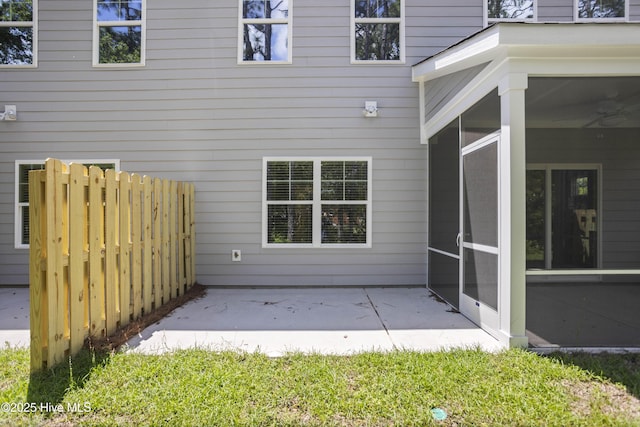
(9, 113)
(370, 109)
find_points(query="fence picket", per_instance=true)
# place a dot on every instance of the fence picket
(164, 255)
(111, 284)
(125, 248)
(180, 238)
(136, 240)
(78, 289)
(173, 281)
(37, 278)
(96, 245)
(104, 248)
(186, 224)
(147, 268)
(54, 265)
(157, 242)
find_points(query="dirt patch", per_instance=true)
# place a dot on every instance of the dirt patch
(611, 399)
(124, 334)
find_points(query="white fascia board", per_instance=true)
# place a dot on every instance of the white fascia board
(477, 50)
(533, 41)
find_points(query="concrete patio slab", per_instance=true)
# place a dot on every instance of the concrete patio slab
(276, 321)
(14, 317)
(326, 321)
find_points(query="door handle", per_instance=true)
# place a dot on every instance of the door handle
(458, 239)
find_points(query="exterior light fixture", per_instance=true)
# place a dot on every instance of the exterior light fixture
(370, 109)
(9, 113)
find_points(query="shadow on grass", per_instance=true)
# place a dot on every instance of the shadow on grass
(49, 386)
(623, 368)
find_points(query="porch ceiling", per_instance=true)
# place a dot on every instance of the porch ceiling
(456, 78)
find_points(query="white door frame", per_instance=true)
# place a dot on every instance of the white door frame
(487, 317)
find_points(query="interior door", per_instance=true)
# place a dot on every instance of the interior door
(479, 236)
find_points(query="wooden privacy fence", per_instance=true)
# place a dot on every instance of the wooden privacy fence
(105, 248)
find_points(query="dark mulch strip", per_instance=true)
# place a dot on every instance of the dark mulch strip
(122, 335)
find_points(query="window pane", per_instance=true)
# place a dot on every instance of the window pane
(332, 171)
(377, 8)
(510, 9)
(536, 218)
(25, 225)
(302, 171)
(119, 10)
(344, 180)
(574, 218)
(266, 42)
(289, 224)
(355, 170)
(332, 190)
(16, 45)
(377, 42)
(120, 45)
(265, 9)
(23, 183)
(344, 224)
(355, 190)
(16, 10)
(601, 8)
(278, 171)
(301, 190)
(289, 180)
(278, 190)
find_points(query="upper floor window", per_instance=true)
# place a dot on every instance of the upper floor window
(377, 30)
(119, 32)
(265, 31)
(18, 32)
(601, 9)
(510, 10)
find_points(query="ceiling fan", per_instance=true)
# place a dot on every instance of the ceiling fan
(612, 112)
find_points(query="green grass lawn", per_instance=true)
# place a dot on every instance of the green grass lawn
(203, 388)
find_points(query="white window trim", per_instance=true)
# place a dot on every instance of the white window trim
(576, 18)
(142, 23)
(17, 223)
(487, 21)
(317, 203)
(32, 24)
(288, 20)
(548, 168)
(355, 21)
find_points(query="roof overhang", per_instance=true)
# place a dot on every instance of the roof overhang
(527, 40)
(508, 53)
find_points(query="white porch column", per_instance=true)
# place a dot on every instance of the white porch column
(512, 196)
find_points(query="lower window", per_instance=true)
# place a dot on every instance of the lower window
(22, 193)
(317, 202)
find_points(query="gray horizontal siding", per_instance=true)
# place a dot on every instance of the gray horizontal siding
(555, 10)
(192, 113)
